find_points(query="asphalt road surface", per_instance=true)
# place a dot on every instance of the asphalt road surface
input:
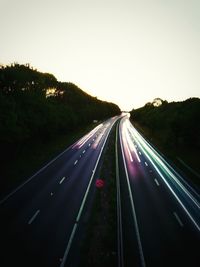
(41, 220)
(160, 211)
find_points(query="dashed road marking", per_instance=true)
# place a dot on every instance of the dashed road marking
(83, 151)
(62, 180)
(139, 152)
(156, 181)
(146, 163)
(178, 219)
(51, 193)
(75, 162)
(34, 216)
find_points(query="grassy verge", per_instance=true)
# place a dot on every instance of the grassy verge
(28, 159)
(190, 156)
(100, 244)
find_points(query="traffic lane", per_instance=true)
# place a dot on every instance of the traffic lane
(61, 180)
(185, 196)
(49, 168)
(171, 192)
(77, 246)
(154, 217)
(130, 245)
(182, 191)
(18, 231)
(49, 177)
(53, 225)
(164, 239)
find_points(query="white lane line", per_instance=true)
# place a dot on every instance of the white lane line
(89, 145)
(139, 152)
(68, 246)
(146, 163)
(62, 180)
(130, 156)
(83, 202)
(34, 216)
(119, 209)
(34, 175)
(75, 162)
(143, 264)
(172, 191)
(83, 151)
(51, 193)
(156, 181)
(178, 219)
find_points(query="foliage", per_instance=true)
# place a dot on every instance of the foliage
(176, 123)
(28, 114)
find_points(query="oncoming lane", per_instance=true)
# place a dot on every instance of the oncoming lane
(168, 221)
(40, 218)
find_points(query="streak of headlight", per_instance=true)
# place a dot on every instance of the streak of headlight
(97, 141)
(88, 136)
(162, 164)
(130, 142)
(147, 150)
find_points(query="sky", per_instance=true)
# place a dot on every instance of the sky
(123, 51)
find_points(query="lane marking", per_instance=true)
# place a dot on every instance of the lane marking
(62, 180)
(146, 163)
(139, 152)
(45, 166)
(130, 156)
(89, 145)
(178, 219)
(143, 264)
(119, 208)
(69, 245)
(83, 201)
(83, 151)
(156, 181)
(51, 193)
(146, 148)
(34, 216)
(75, 162)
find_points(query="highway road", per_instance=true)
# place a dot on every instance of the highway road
(42, 221)
(160, 211)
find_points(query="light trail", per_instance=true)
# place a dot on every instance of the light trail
(179, 191)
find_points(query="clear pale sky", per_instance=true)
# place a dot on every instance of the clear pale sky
(124, 51)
